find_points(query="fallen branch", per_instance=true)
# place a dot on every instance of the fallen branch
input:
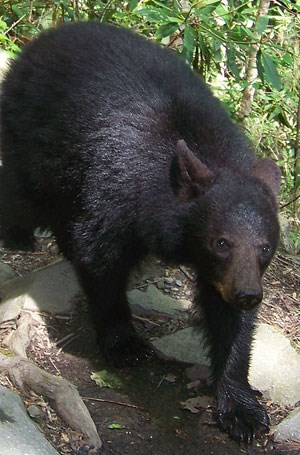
(67, 401)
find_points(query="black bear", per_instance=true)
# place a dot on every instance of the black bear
(118, 147)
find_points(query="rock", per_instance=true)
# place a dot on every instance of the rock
(6, 273)
(289, 428)
(35, 412)
(275, 366)
(274, 369)
(154, 300)
(186, 346)
(4, 63)
(285, 238)
(51, 289)
(19, 435)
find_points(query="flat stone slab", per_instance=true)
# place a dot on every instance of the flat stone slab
(19, 435)
(186, 346)
(154, 300)
(6, 273)
(289, 428)
(275, 366)
(51, 289)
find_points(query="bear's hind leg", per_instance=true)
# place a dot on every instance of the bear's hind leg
(16, 221)
(106, 293)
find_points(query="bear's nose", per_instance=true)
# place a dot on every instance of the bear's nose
(249, 298)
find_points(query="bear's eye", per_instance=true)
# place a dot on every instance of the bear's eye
(266, 248)
(222, 244)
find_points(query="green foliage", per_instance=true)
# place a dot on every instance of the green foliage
(215, 37)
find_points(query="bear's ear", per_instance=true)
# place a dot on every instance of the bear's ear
(190, 177)
(267, 171)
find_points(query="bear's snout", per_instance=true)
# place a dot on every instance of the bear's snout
(248, 298)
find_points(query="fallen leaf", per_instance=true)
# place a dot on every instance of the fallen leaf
(116, 426)
(105, 378)
(170, 378)
(195, 404)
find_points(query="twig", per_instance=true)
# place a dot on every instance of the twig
(119, 403)
(290, 202)
(139, 318)
(14, 24)
(147, 284)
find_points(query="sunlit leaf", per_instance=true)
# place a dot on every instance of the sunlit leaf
(116, 426)
(105, 378)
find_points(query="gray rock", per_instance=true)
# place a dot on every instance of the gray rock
(275, 366)
(35, 412)
(186, 345)
(154, 300)
(6, 273)
(289, 428)
(51, 289)
(4, 63)
(19, 435)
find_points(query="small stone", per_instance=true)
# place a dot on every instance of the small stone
(34, 411)
(160, 284)
(178, 283)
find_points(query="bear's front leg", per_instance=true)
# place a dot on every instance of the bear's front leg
(229, 333)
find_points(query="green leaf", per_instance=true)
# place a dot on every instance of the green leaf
(282, 118)
(262, 24)
(205, 11)
(18, 11)
(166, 30)
(271, 72)
(116, 426)
(231, 63)
(260, 68)
(250, 33)
(189, 40)
(153, 15)
(105, 378)
(133, 4)
(156, 2)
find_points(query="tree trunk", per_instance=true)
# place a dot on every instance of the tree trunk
(251, 71)
(296, 158)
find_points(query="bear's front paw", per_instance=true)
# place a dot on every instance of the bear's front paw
(240, 414)
(123, 347)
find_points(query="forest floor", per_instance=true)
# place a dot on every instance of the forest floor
(145, 415)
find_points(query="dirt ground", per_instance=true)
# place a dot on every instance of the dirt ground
(145, 415)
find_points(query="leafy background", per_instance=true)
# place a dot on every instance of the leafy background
(248, 52)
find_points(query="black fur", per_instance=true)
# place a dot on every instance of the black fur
(118, 147)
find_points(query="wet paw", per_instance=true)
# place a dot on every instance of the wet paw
(240, 414)
(123, 347)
